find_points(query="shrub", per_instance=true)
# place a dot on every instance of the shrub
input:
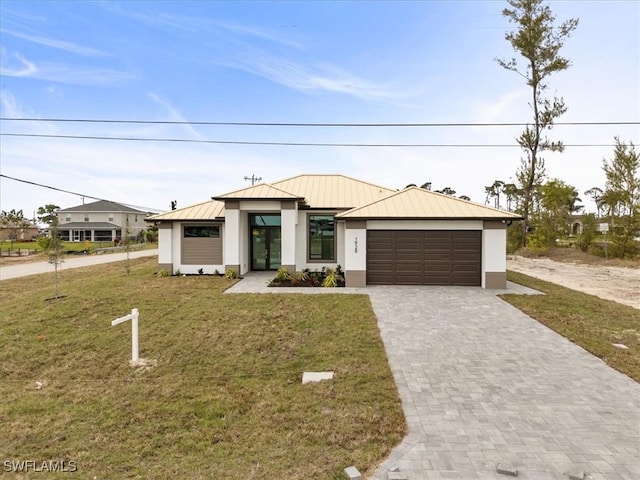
(332, 278)
(283, 274)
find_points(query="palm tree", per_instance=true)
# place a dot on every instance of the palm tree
(596, 194)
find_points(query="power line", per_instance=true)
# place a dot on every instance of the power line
(289, 144)
(146, 209)
(295, 124)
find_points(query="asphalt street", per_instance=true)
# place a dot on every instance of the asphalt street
(33, 268)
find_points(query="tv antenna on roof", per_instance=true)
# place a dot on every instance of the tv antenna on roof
(253, 179)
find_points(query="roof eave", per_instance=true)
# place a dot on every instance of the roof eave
(260, 199)
(354, 217)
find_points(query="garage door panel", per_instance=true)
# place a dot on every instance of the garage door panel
(417, 257)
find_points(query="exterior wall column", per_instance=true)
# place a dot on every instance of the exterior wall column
(232, 231)
(494, 255)
(165, 259)
(355, 253)
(288, 217)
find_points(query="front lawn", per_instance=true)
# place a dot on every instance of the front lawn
(225, 399)
(591, 322)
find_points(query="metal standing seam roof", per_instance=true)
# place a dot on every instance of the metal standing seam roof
(211, 210)
(415, 202)
(333, 191)
(262, 191)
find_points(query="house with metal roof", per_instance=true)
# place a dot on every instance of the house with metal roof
(100, 221)
(378, 235)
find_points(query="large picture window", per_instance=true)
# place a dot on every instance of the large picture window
(322, 237)
(201, 231)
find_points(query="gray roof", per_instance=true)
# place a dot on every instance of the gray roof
(102, 206)
(88, 226)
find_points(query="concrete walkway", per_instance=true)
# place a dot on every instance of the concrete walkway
(70, 261)
(485, 386)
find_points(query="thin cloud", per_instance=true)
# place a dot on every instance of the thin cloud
(25, 68)
(319, 77)
(175, 115)
(57, 44)
(507, 103)
(260, 33)
(60, 73)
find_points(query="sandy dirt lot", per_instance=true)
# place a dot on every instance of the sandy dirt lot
(619, 284)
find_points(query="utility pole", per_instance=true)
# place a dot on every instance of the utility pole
(253, 179)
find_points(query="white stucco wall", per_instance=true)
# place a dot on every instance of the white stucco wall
(355, 247)
(244, 247)
(494, 247)
(289, 221)
(165, 241)
(231, 239)
(260, 206)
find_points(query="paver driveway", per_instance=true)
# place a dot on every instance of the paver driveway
(484, 384)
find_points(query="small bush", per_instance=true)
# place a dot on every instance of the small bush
(283, 274)
(332, 278)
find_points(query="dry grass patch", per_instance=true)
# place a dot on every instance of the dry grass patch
(591, 322)
(573, 255)
(225, 399)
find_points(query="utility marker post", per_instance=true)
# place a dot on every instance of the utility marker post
(133, 316)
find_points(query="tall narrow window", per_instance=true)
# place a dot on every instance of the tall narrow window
(322, 238)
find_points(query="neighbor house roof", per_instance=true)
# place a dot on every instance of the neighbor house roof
(211, 210)
(415, 202)
(88, 226)
(101, 206)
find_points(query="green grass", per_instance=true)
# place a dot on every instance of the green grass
(67, 246)
(225, 399)
(588, 321)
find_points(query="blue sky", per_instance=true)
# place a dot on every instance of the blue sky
(293, 62)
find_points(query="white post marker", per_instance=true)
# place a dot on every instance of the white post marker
(133, 316)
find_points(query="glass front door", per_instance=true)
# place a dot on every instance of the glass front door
(265, 242)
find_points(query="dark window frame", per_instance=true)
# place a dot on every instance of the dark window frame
(212, 231)
(323, 256)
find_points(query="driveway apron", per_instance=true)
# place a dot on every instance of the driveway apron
(484, 386)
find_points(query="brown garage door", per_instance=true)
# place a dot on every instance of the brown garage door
(423, 257)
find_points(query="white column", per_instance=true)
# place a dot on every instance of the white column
(288, 236)
(231, 241)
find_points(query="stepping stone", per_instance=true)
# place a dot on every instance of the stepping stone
(308, 377)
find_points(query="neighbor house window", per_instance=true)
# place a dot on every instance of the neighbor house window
(201, 231)
(322, 237)
(110, 218)
(86, 217)
(67, 218)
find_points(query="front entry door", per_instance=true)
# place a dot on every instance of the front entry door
(265, 247)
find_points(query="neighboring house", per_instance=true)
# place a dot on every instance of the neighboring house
(379, 236)
(576, 223)
(19, 232)
(99, 222)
